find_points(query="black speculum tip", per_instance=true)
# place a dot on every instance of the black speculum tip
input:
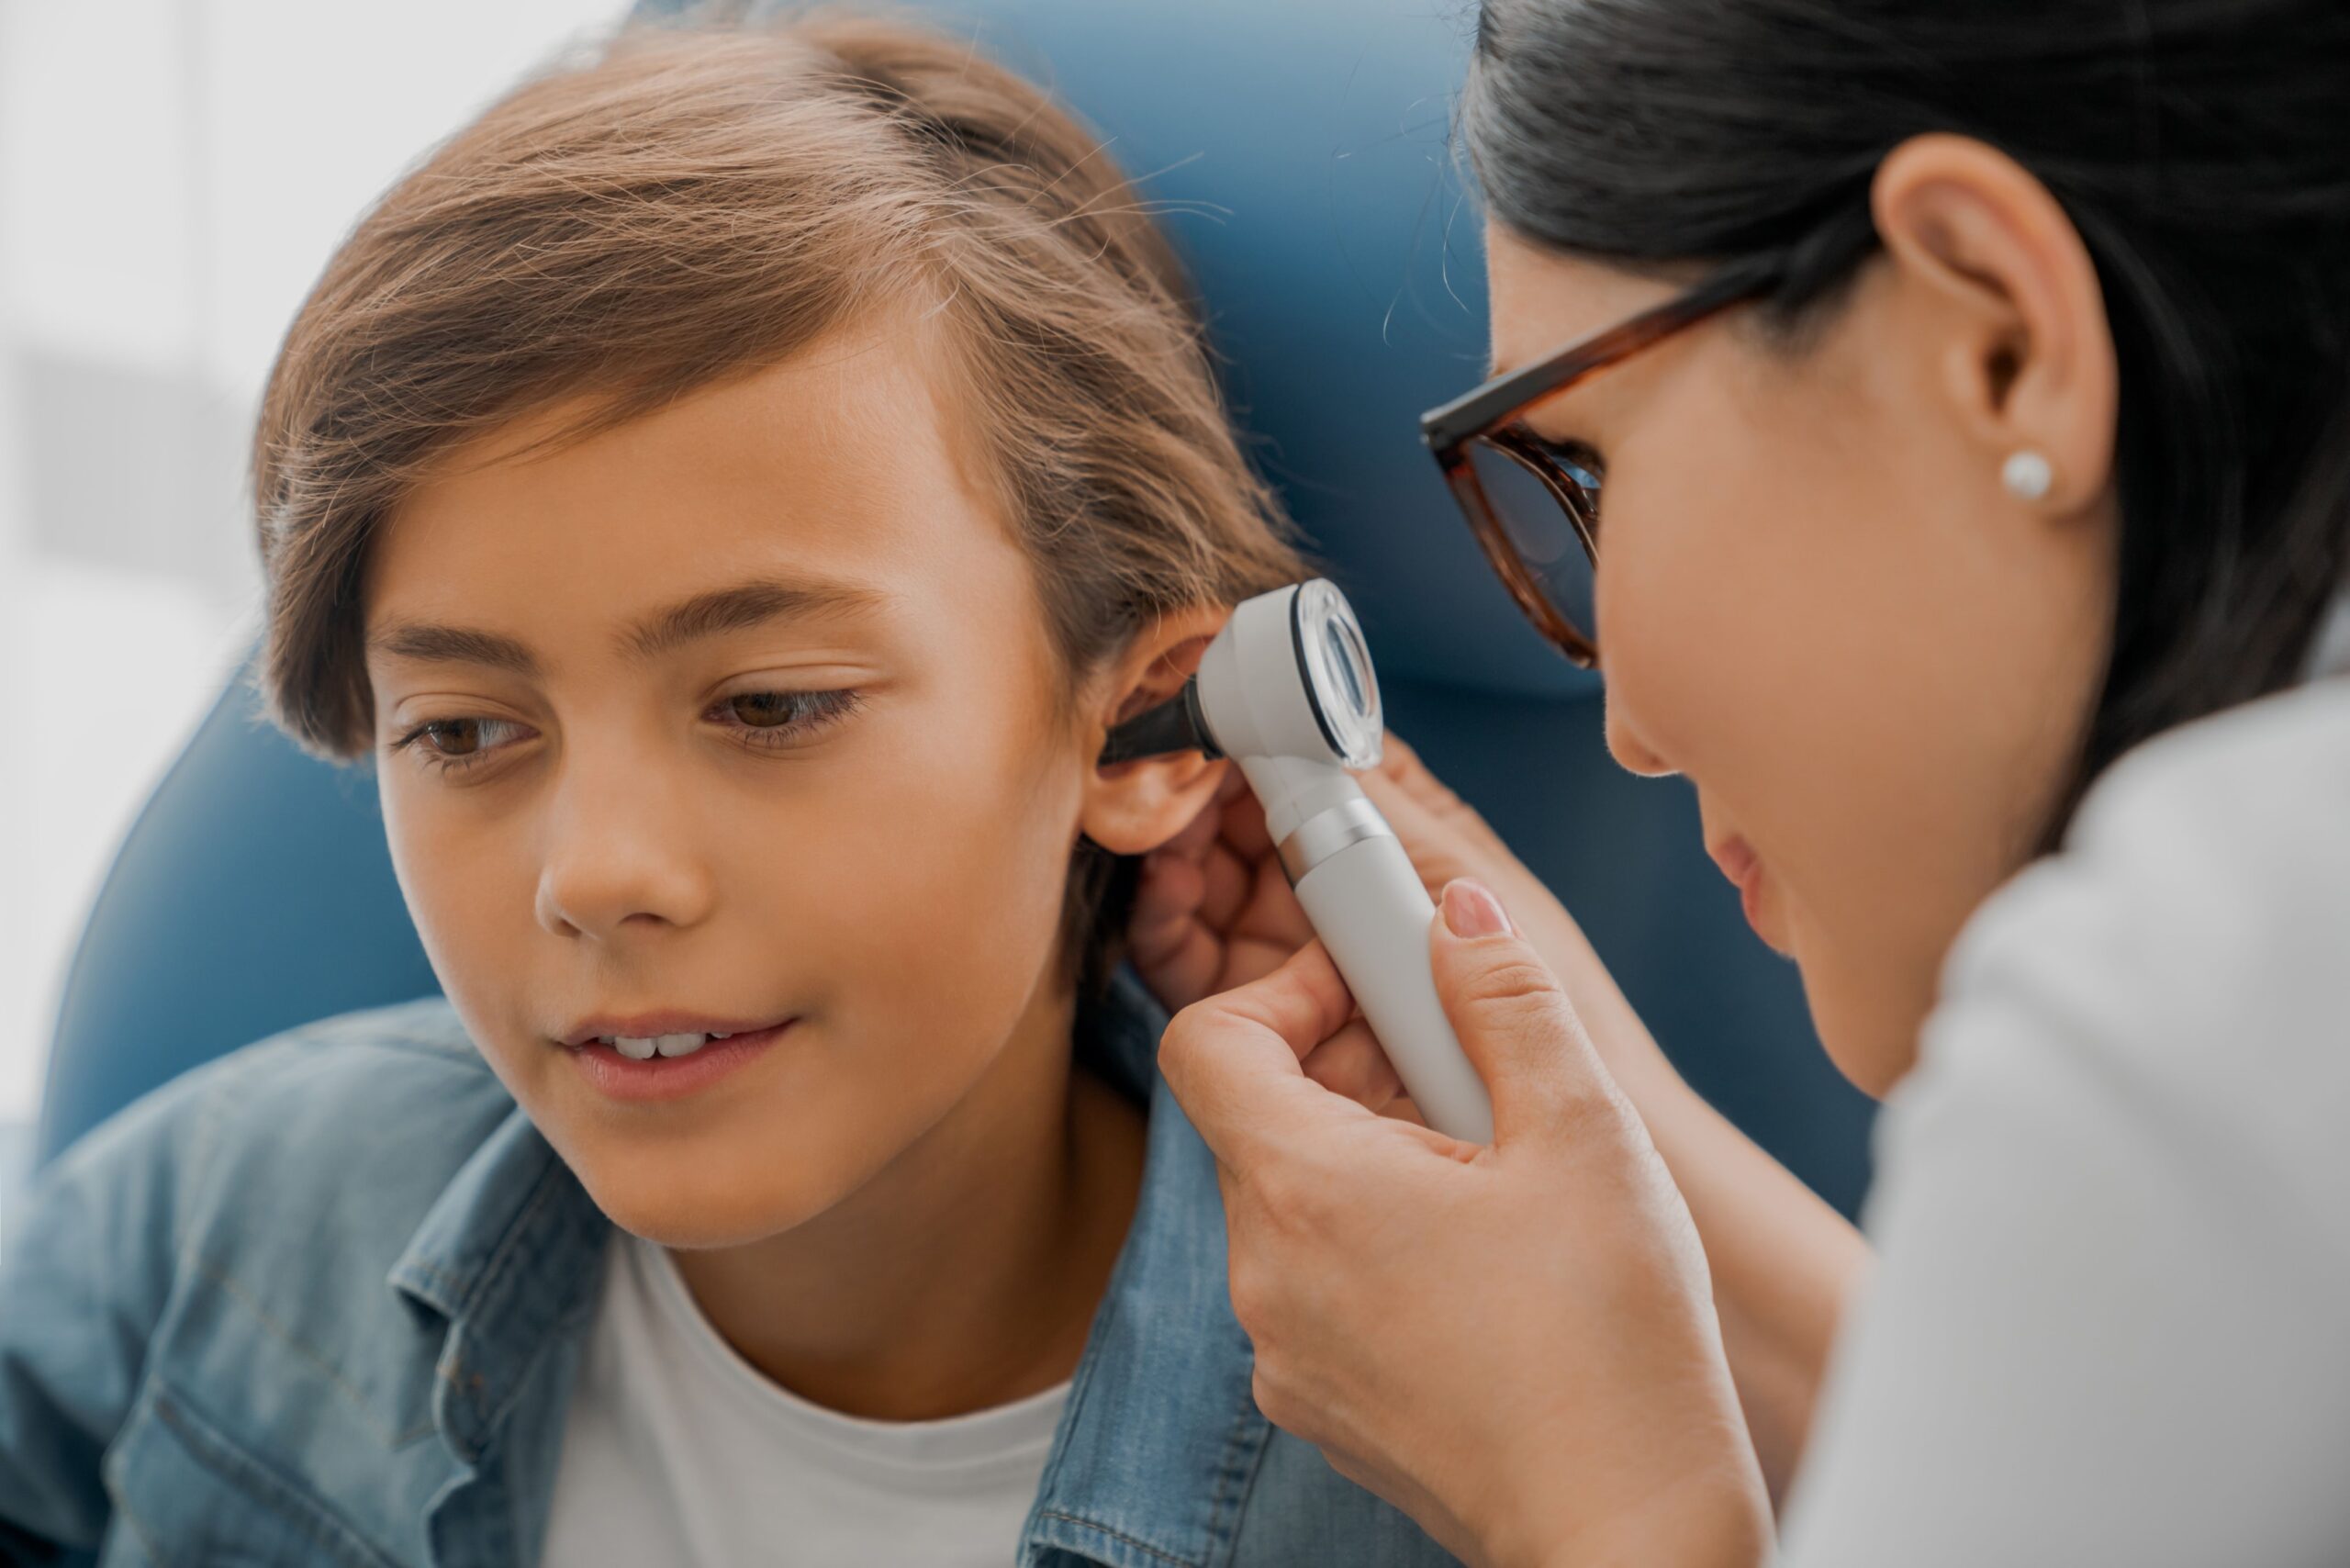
(1175, 724)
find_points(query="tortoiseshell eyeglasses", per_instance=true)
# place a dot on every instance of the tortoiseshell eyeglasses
(1535, 507)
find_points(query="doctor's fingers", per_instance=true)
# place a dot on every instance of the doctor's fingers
(1551, 1093)
(1179, 956)
(1221, 843)
(1235, 1061)
(1351, 1062)
(1241, 825)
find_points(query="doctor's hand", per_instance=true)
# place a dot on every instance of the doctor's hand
(1515, 1343)
(1213, 910)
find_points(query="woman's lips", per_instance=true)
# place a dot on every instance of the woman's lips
(670, 1077)
(1744, 868)
(1750, 901)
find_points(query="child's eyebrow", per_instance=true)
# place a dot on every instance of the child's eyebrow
(731, 609)
(743, 605)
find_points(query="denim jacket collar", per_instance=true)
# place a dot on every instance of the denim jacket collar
(1161, 1438)
(506, 1258)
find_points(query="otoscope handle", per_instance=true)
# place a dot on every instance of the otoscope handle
(1371, 912)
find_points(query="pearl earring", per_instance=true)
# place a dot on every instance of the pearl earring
(2028, 475)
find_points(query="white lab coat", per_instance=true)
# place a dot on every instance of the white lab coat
(2110, 1323)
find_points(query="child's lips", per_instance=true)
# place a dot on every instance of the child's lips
(645, 1025)
(660, 1078)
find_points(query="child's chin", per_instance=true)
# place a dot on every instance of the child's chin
(696, 1208)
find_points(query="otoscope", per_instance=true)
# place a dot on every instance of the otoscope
(1286, 690)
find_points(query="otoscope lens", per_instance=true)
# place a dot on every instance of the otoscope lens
(1344, 688)
(1347, 654)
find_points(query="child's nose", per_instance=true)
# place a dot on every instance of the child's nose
(617, 848)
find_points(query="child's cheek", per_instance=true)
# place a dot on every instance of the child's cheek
(947, 911)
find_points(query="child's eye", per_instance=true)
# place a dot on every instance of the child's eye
(771, 719)
(453, 746)
(778, 719)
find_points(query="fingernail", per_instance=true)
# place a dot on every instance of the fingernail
(1471, 910)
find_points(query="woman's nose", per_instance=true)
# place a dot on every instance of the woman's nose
(1630, 752)
(619, 849)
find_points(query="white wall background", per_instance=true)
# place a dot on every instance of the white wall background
(172, 175)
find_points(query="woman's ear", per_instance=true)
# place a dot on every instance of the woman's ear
(1132, 808)
(2006, 288)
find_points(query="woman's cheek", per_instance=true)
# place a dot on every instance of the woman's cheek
(1681, 631)
(1722, 640)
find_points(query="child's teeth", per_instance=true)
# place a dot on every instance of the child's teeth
(645, 1047)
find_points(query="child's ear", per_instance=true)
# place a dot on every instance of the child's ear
(1132, 808)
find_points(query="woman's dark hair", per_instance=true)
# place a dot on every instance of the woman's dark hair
(2200, 147)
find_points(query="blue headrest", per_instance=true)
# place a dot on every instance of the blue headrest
(1303, 148)
(253, 893)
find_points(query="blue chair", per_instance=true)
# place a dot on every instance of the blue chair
(1304, 145)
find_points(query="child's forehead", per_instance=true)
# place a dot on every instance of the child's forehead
(838, 463)
(879, 389)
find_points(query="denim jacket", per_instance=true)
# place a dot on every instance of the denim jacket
(321, 1302)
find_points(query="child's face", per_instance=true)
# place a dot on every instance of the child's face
(840, 796)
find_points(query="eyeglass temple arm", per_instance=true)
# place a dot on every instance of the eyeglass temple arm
(1481, 409)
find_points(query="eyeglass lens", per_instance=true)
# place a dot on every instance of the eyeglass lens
(1540, 529)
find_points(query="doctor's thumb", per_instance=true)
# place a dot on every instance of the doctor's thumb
(1515, 1021)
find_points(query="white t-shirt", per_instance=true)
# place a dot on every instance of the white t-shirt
(676, 1451)
(2109, 1321)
